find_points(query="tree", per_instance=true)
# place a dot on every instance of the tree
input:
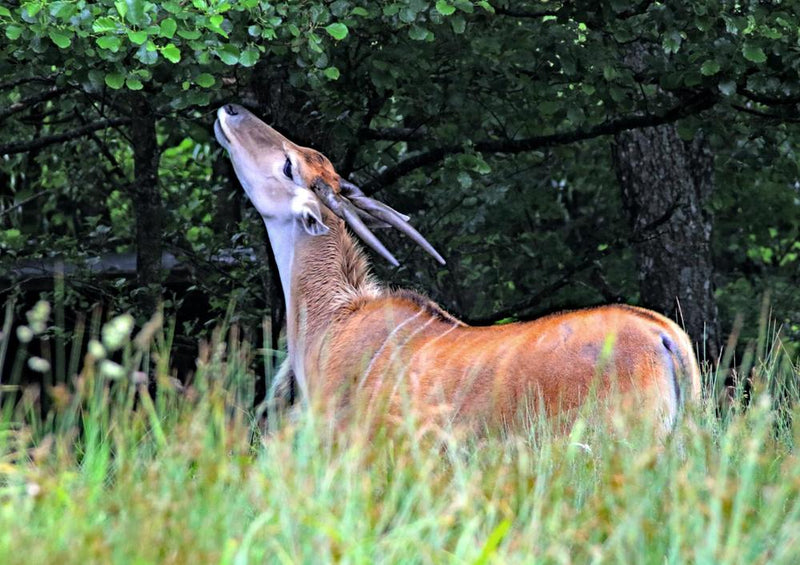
(666, 184)
(490, 122)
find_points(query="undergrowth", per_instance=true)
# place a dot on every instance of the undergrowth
(128, 465)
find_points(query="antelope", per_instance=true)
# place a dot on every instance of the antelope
(350, 339)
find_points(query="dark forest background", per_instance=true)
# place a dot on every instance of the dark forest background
(559, 154)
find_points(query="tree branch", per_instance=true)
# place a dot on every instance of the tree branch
(532, 14)
(703, 100)
(533, 300)
(765, 115)
(52, 92)
(769, 100)
(40, 142)
(22, 203)
(24, 80)
(394, 134)
(103, 148)
(374, 105)
(637, 10)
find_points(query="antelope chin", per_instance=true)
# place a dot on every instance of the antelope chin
(221, 137)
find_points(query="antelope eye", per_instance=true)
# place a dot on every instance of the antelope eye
(287, 169)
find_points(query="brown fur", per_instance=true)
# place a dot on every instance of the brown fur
(318, 167)
(364, 342)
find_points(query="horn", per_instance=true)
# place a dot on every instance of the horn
(388, 215)
(349, 213)
(371, 221)
(356, 195)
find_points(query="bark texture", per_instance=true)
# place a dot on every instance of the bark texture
(147, 206)
(666, 183)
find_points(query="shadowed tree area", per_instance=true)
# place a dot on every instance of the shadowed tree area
(558, 154)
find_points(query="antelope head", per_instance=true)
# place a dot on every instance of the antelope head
(288, 183)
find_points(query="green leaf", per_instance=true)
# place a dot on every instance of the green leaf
(62, 10)
(190, 34)
(482, 166)
(215, 23)
(549, 107)
(753, 53)
(122, 8)
(359, 11)
(168, 27)
(13, 32)
(444, 8)
(692, 78)
(171, 53)
(576, 115)
(249, 57)
(229, 54)
(709, 68)
(332, 73)
(671, 42)
(115, 80)
(59, 38)
(135, 13)
(408, 14)
(96, 79)
(727, 87)
(171, 7)
(337, 31)
(33, 8)
(109, 42)
(4, 12)
(137, 37)
(418, 33)
(133, 83)
(147, 56)
(493, 542)
(103, 25)
(205, 80)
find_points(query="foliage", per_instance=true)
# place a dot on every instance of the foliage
(487, 121)
(114, 474)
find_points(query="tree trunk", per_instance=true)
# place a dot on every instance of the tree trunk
(665, 184)
(147, 206)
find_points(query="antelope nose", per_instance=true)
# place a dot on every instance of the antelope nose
(231, 109)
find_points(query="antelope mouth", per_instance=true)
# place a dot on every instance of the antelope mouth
(220, 135)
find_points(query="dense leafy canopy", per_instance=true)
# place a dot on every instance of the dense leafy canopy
(488, 121)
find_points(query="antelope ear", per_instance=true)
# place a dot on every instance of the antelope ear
(310, 217)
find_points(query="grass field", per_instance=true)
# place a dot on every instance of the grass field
(113, 475)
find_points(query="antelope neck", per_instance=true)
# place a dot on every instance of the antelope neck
(320, 275)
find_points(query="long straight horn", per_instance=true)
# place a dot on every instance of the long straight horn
(357, 196)
(387, 214)
(345, 210)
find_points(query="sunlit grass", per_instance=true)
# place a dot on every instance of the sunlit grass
(115, 474)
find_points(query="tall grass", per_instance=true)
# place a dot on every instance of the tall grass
(115, 472)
